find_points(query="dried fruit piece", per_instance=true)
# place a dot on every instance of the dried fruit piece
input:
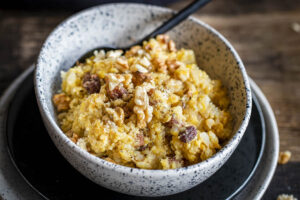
(61, 102)
(139, 77)
(141, 142)
(188, 134)
(172, 122)
(91, 83)
(117, 93)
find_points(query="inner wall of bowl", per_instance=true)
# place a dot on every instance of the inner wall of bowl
(120, 25)
(217, 60)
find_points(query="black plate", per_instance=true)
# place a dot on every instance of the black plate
(47, 172)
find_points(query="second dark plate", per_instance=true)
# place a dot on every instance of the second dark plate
(48, 173)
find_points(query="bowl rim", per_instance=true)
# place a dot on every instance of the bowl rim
(234, 140)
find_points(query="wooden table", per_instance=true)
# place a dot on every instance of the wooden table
(264, 32)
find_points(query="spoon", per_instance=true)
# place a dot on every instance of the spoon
(176, 19)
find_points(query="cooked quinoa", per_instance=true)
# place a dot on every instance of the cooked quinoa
(151, 107)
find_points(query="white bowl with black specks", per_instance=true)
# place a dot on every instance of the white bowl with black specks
(120, 25)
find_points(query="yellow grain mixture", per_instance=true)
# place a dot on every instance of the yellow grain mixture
(150, 107)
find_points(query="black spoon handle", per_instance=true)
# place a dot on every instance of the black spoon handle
(176, 19)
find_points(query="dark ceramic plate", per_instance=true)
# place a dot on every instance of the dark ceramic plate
(47, 172)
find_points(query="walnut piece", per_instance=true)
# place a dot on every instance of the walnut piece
(172, 65)
(110, 160)
(286, 197)
(160, 65)
(116, 114)
(284, 157)
(74, 138)
(61, 102)
(172, 46)
(133, 51)
(122, 64)
(142, 109)
(163, 38)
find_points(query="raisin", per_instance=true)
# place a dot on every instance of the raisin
(142, 148)
(168, 138)
(185, 162)
(151, 91)
(91, 83)
(171, 122)
(117, 93)
(188, 134)
(139, 78)
(152, 102)
(141, 142)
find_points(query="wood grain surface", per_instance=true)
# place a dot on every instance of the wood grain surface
(264, 32)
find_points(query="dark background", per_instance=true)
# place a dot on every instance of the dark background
(262, 31)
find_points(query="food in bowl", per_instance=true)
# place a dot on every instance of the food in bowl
(151, 107)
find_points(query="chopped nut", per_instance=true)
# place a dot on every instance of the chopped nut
(133, 50)
(172, 46)
(61, 102)
(142, 109)
(139, 68)
(91, 83)
(139, 77)
(148, 47)
(113, 80)
(160, 65)
(110, 160)
(145, 62)
(75, 138)
(114, 54)
(69, 133)
(163, 38)
(99, 55)
(122, 64)
(209, 123)
(188, 134)
(286, 197)
(172, 65)
(284, 157)
(116, 114)
(82, 143)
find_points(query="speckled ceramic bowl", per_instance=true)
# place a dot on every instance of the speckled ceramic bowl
(120, 25)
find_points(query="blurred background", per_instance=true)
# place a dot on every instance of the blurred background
(266, 33)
